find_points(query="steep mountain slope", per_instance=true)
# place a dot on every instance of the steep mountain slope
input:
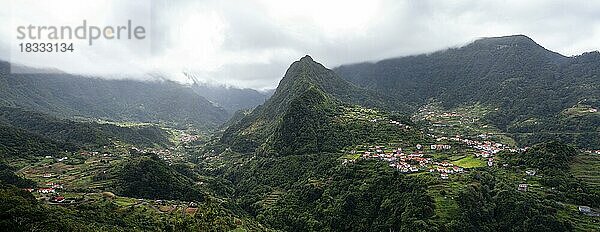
(121, 100)
(523, 80)
(299, 116)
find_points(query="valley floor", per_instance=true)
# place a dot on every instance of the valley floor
(456, 144)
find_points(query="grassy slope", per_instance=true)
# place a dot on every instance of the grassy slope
(469, 162)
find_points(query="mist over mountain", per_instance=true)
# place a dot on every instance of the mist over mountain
(230, 98)
(118, 100)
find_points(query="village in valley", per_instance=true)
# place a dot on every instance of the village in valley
(450, 144)
(430, 157)
(86, 176)
(454, 143)
(457, 141)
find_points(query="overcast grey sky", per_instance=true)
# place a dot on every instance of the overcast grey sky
(251, 43)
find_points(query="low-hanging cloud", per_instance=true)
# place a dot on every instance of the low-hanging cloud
(251, 43)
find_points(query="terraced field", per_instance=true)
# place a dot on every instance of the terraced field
(443, 194)
(586, 167)
(272, 198)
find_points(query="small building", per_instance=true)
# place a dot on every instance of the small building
(530, 172)
(57, 199)
(584, 209)
(588, 211)
(109, 195)
(46, 190)
(523, 187)
(446, 164)
(444, 176)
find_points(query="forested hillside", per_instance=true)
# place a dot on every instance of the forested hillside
(78, 133)
(15, 142)
(533, 93)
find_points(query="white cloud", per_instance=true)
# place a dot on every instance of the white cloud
(251, 43)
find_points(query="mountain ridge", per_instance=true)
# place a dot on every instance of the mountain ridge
(322, 91)
(514, 74)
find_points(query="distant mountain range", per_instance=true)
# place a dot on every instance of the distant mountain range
(67, 95)
(532, 93)
(161, 100)
(230, 98)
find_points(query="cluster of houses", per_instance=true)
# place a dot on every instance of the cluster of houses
(57, 159)
(187, 138)
(49, 188)
(44, 190)
(89, 153)
(435, 147)
(401, 125)
(409, 163)
(54, 185)
(445, 168)
(169, 155)
(440, 147)
(597, 152)
(397, 159)
(485, 148)
(415, 162)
